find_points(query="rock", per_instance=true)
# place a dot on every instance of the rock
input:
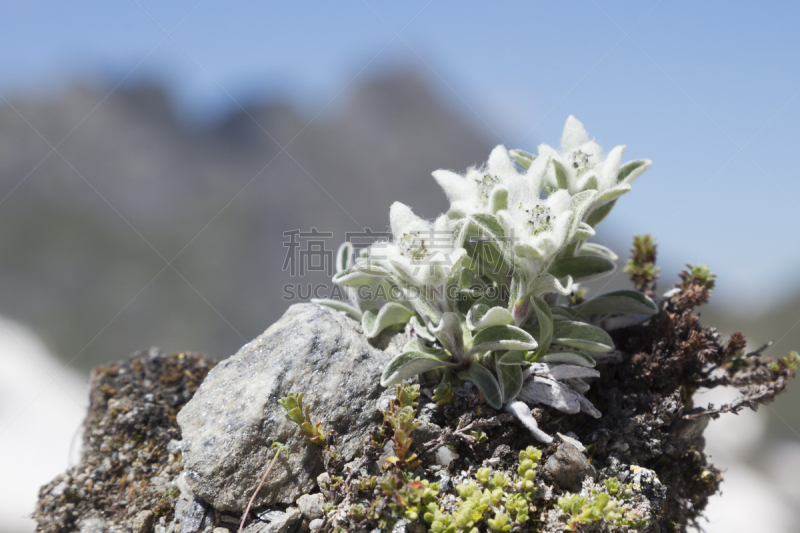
(93, 525)
(193, 521)
(288, 522)
(220, 530)
(569, 467)
(311, 505)
(426, 432)
(268, 515)
(445, 456)
(229, 424)
(143, 523)
(324, 484)
(315, 525)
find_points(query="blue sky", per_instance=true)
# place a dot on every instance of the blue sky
(708, 90)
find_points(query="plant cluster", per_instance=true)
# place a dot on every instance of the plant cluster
(491, 288)
(600, 505)
(497, 499)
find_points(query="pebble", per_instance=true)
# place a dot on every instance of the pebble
(311, 505)
(143, 523)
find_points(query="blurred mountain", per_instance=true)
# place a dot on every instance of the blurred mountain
(138, 230)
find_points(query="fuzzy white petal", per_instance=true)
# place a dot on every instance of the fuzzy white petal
(574, 135)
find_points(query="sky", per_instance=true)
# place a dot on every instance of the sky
(707, 90)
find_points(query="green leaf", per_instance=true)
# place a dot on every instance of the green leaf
(547, 283)
(482, 316)
(545, 317)
(583, 232)
(361, 273)
(450, 334)
(502, 338)
(373, 322)
(582, 267)
(583, 336)
(424, 309)
(632, 170)
(421, 330)
(513, 357)
(338, 305)
(579, 205)
(409, 364)
(498, 200)
(417, 345)
(569, 358)
(344, 257)
(563, 313)
(510, 380)
(561, 175)
(597, 215)
(619, 302)
(610, 195)
(489, 227)
(523, 158)
(598, 250)
(482, 377)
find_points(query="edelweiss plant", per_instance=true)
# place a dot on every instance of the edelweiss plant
(487, 285)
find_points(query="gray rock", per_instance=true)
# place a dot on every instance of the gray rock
(93, 525)
(324, 484)
(426, 432)
(315, 525)
(143, 523)
(311, 505)
(268, 515)
(194, 519)
(287, 523)
(445, 456)
(230, 422)
(569, 467)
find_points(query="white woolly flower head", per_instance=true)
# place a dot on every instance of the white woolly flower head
(580, 165)
(539, 229)
(480, 189)
(422, 253)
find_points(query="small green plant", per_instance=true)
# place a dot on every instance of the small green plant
(508, 497)
(400, 419)
(599, 506)
(444, 393)
(790, 362)
(642, 265)
(314, 433)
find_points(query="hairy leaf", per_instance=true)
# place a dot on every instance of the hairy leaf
(569, 358)
(483, 378)
(510, 378)
(373, 322)
(582, 267)
(583, 336)
(502, 338)
(482, 316)
(338, 305)
(619, 302)
(409, 364)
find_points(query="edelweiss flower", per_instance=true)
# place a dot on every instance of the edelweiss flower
(539, 229)
(580, 165)
(422, 253)
(473, 192)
